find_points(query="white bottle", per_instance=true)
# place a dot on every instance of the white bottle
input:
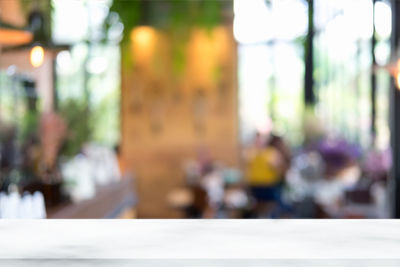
(3, 204)
(26, 207)
(13, 203)
(38, 206)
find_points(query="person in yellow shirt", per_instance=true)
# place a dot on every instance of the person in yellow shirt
(264, 172)
(263, 167)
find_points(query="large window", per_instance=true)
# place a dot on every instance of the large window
(271, 68)
(383, 24)
(343, 66)
(89, 73)
(271, 37)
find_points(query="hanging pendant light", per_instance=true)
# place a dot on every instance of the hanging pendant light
(36, 25)
(40, 41)
(37, 56)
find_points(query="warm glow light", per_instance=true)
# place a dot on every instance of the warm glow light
(37, 56)
(142, 35)
(143, 40)
(394, 70)
(398, 81)
(396, 74)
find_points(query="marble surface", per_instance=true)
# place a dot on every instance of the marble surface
(201, 263)
(199, 242)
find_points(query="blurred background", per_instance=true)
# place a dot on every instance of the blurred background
(199, 109)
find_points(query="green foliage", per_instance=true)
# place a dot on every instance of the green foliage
(168, 14)
(175, 17)
(30, 121)
(104, 118)
(209, 14)
(76, 116)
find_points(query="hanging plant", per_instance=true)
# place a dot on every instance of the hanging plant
(174, 17)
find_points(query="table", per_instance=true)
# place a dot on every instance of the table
(200, 242)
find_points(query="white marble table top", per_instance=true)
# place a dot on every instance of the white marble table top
(202, 242)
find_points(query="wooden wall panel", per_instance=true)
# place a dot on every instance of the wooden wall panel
(167, 117)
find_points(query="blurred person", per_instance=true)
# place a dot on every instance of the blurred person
(198, 196)
(213, 184)
(338, 155)
(122, 165)
(31, 150)
(236, 198)
(279, 143)
(53, 130)
(206, 185)
(313, 129)
(264, 172)
(199, 202)
(8, 148)
(204, 160)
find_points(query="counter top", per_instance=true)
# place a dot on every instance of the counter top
(194, 240)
